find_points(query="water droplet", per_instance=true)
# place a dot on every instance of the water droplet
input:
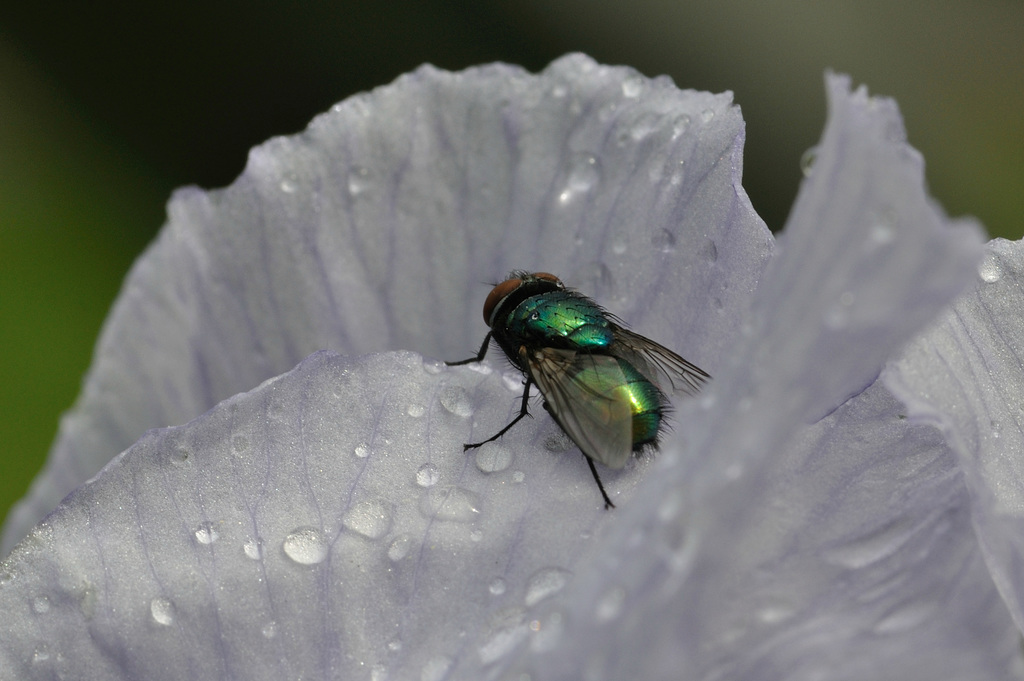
(436, 668)
(395, 645)
(253, 548)
(371, 518)
(362, 450)
(518, 476)
(456, 400)
(503, 635)
(305, 545)
(882, 234)
(664, 241)
(707, 115)
(270, 629)
(990, 270)
(493, 457)
(433, 366)
(632, 87)
(416, 410)
(40, 605)
(379, 672)
(358, 181)
(476, 535)
(583, 175)
(610, 605)
(544, 583)
(449, 502)
(643, 126)
(207, 533)
(180, 455)
(559, 91)
(240, 443)
(162, 611)
(619, 245)
(400, 546)
(497, 586)
(678, 175)
(807, 161)
(288, 186)
(428, 475)
(513, 380)
(680, 125)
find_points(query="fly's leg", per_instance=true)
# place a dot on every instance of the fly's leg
(524, 410)
(479, 356)
(597, 478)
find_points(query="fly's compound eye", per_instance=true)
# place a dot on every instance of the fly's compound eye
(547, 276)
(497, 294)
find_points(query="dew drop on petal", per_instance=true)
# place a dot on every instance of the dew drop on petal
(180, 455)
(358, 181)
(610, 605)
(493, 457)
(456, 400)
(362, 450)
(584, 174)
(40, 654)
(518, 476)
(269, 629)
(40, 605)
(435, 668)
(680, 125)
(371, 518)
(400, 546)
(449, 502)
(395, 644)
(664, 241)
(416, 410)
(632, 87)
(305, 545)
(497, 586)
(428, 475)
(990, 271)
(502, 638)
(476, 535)
(288, 186)
(207, 533)
(240, 444)
(253, 548)
(707, 115)
(162, 611)
(513, 380)
(544, 583)
(558, 442)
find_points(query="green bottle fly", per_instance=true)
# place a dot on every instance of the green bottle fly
(601, 383)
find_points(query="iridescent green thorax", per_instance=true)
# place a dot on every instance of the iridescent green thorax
(562, 319)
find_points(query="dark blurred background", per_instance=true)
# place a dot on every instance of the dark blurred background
(105, 107)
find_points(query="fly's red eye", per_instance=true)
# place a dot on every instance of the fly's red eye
(497, 294)
(547, 276)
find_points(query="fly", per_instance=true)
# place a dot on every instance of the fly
(601, 383)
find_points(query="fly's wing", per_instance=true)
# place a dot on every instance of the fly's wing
(585, 395)
(656, 362)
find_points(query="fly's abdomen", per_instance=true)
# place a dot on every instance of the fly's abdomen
(647, 403)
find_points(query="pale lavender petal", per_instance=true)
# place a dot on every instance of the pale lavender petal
(966, 376)
(686, 580)
(378, 227)
(184, 557)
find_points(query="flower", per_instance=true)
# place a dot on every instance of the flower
(799, 522)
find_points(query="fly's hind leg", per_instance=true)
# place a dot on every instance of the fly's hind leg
(597, 478)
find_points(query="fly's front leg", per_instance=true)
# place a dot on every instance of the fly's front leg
(479, 356)
(524, 410)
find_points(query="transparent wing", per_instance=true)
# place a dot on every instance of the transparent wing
(658, 363)
(586, 397)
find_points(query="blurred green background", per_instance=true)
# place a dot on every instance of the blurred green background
(105, 107)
